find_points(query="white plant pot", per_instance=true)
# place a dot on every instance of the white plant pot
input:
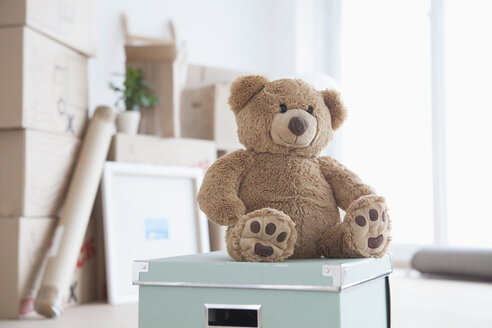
(127, 122)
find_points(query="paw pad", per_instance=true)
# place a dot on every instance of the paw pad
(373, 215)
(263, 250)
(267, 235)
(375, 242)
(370, 228)
(255, 227)
(270, 228)
(360, 220)
(281, 237)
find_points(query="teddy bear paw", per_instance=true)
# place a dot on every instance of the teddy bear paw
(370, 225)
(265, 235)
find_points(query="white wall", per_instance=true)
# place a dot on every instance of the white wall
(275, 37)
(251, 35)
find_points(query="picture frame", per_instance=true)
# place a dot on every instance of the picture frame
(149, 211)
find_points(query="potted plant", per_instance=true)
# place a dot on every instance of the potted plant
(136, 94)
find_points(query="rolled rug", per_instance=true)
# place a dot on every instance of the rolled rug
(469, 263)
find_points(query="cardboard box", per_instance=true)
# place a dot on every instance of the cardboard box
(43, 84)
(162, 66)
(83, 287)
(35, 168)
(205, 114)
(24, 243)
(69, 22)
(200, 76)
(162, 151)
(168, 151)
(217, 235)
(213, 290)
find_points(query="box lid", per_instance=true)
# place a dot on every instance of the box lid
(219, 270)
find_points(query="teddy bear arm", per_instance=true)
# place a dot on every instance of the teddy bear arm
(347, 187)
(218, 196)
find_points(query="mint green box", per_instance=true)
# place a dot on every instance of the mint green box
(213, 290)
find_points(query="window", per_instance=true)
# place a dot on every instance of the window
(386, 87)
(468, 85)
(428, 145)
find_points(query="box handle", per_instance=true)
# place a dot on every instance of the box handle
(232, 315)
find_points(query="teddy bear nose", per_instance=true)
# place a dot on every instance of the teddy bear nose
(297, 125)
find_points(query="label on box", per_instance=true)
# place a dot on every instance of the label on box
(156, 228)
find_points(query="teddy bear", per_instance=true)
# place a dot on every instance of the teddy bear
(278, 197)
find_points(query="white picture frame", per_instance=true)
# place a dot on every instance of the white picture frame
(148, 212)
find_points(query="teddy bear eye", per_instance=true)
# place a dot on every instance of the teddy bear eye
(283, 108)
(310, 109)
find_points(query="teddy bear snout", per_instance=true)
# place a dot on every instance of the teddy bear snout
(293, 128)
(297, 125)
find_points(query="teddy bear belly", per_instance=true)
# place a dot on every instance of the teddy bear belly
(308, 201)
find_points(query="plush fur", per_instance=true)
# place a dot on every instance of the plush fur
(277, 197)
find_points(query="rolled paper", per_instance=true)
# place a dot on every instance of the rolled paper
(69, 234)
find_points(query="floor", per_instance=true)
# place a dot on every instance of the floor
(416, 302)
(424, 302)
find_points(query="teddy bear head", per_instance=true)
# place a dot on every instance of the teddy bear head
(285, 116)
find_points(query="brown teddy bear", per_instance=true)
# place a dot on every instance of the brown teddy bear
(279, 199)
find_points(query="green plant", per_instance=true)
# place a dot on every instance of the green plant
(136, 92)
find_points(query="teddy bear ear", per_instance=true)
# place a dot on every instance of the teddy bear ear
(337, 109)
(244, 89)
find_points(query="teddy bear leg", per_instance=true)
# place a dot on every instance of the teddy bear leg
(364, 231)
(265, 235)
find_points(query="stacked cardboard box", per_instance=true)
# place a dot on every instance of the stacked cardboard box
(45, 47)
(205, 113)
